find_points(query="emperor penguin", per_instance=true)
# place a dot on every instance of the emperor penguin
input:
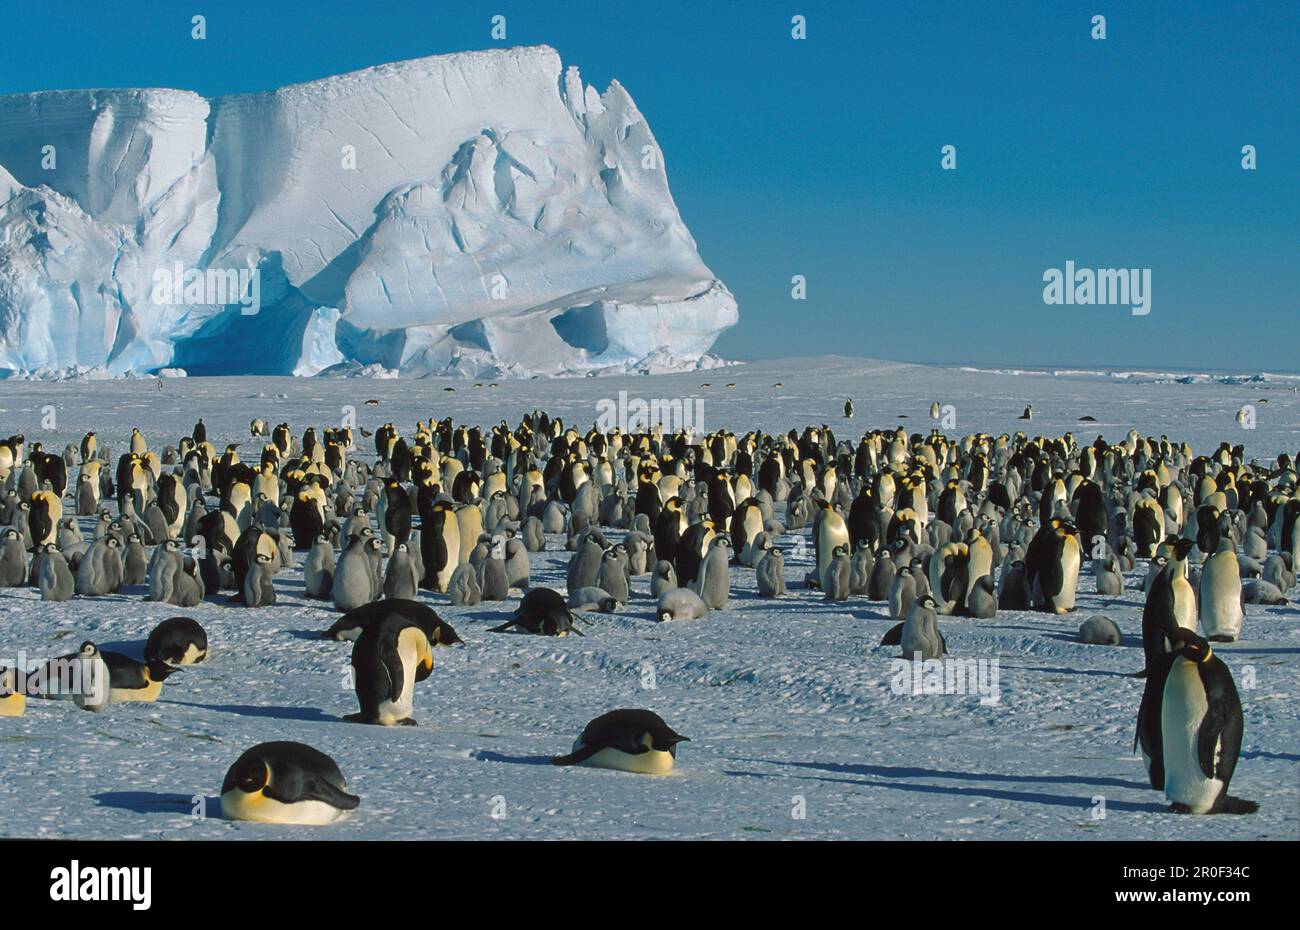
(463, 589)
(355, 580)
(860, 568)
(982, 601)
(680, 604)
(439, 546)
(130, 680)
(402, 576)
(13, 702)
(177, 641)
(55, 581)
(259, 591)
(164, 567)
(920, 635)
(543, 612)
(1170, 604)
(94, 690)
(286, 782)
(1052, 566)
(835, 583)
(746, 527)
(493, 580)
(829, 531)
(713, 580)
(13, 558)
(664, 578)
(388, 659)
(100, 570)
(769, 574)
(318, 569)
(1190, 727)
(1221, 600)
(902, 593)
(135, 561)
(627, 740)
(584, 567)
(351, 625)
(882, 577)
(1109, 578)
(613, 577)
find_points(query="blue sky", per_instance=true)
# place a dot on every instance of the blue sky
(821, 157)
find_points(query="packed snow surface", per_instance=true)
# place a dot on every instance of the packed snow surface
(788, 704)
(482, 213)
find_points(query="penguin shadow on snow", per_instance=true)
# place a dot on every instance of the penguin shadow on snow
(1062, 670)
(310, 714)
(158, 802)
(888, 776)
(487, 755)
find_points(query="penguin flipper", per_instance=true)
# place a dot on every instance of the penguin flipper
(392, 664)
(503, 627)
(1220, 733)
(1231, 805)
(893, 637)
(581, 754)
(322, 789)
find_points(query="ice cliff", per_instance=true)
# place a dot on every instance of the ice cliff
(481, 213)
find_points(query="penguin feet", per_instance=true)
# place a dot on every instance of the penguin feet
(1233, 805)
(1177, 808)
(407, 722)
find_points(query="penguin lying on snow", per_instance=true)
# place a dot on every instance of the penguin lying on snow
(12, 701)
(542, 611)
(627, 740)
(130, 680)
(286, 782)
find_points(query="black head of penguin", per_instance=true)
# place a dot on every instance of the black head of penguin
(177, 641)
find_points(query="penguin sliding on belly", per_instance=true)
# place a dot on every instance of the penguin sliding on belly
(626, 740)
(286, 782)
(1189, 728)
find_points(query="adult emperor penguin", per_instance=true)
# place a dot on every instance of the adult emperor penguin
(1052, 567)
(286, 782)
(1170, 604)
(439, 546)
(829, 531)
(177, 641)
(1221, 599)
(388, 659)
(130, 680)
(542, 611)
(626, 740)
(1190, 728)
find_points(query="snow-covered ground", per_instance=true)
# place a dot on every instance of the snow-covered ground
(788, 704)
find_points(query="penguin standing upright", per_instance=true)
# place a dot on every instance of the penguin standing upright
(388, 659)
(1190, 728)
(402, 576)
(1052, 566)
(1170, 604)
(920, 635)
(439, 546)
(1221, 597)
(713, 582)
(55, 580)
(94, 690)
(769, 574)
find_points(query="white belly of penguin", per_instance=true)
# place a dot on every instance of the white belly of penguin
(650, 762)
(1064, 601)
(241, 805)
(391, 712)
(1182, 709)
(1184, 603)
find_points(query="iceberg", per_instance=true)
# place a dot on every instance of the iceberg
(475, 214)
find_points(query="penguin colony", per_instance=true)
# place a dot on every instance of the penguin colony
(928, 526)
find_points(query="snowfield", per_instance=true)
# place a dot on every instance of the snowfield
(788, 704)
